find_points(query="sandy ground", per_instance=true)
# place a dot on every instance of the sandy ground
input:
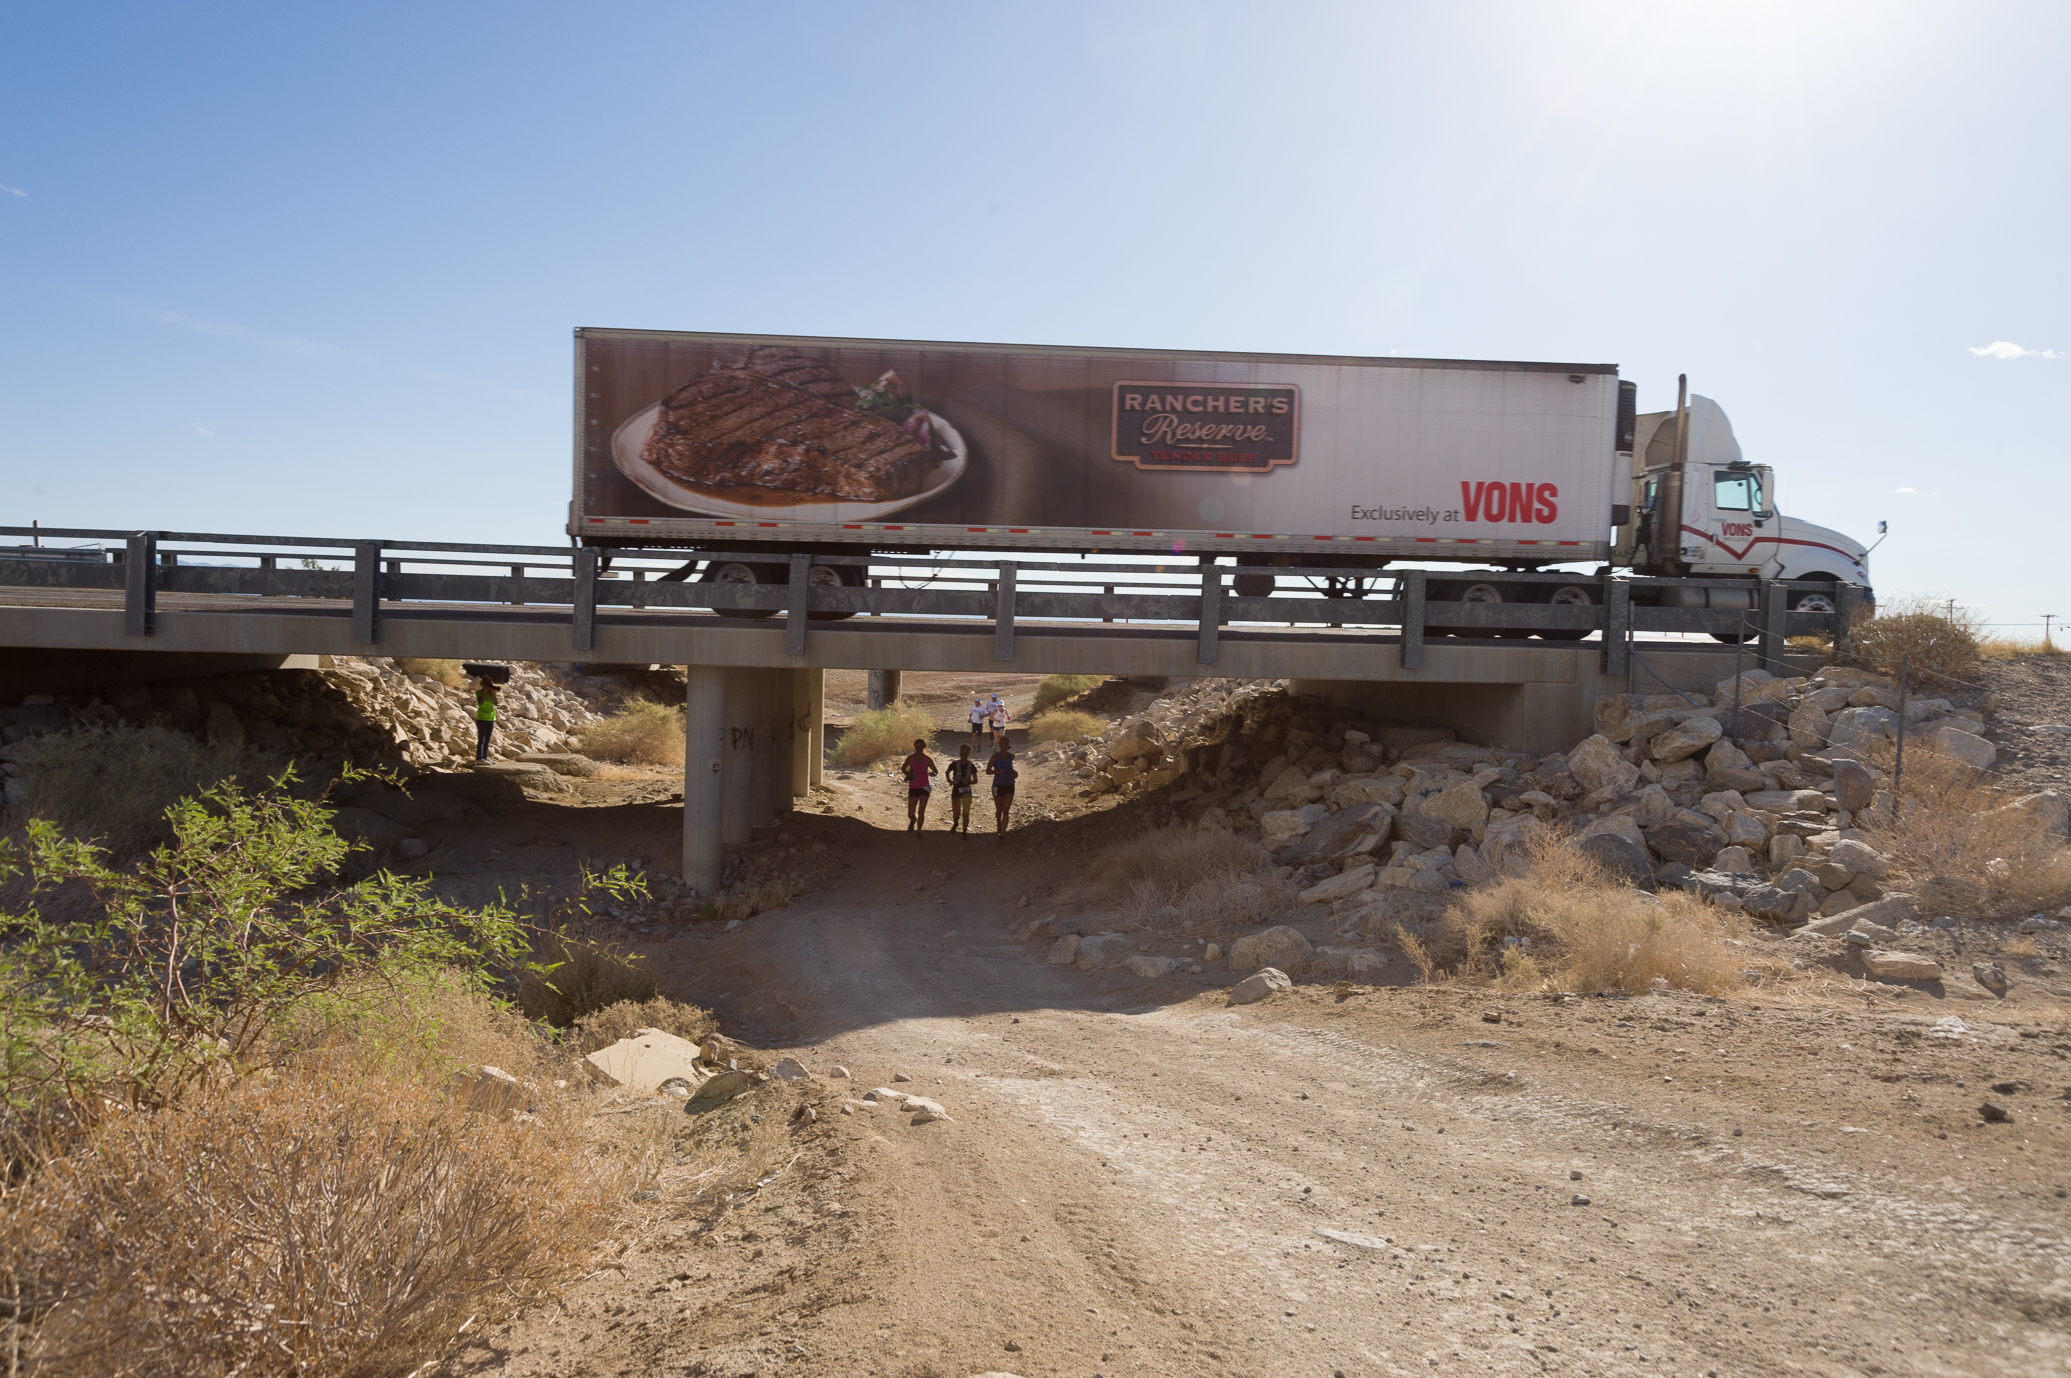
(1139, 1178)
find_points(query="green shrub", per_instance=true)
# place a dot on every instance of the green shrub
(882, 732)
(115, 784)
(643, 732)
(576, 977)
(604, 1027)
(1066, 724)
(1055, 689)
(193, 957)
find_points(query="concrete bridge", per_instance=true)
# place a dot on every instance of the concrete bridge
(137, 606)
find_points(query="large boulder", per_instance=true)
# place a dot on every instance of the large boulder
(1685, 740)
(1690, 838)
(1471, 869)
(1425, 832)
(2050, 810)
(1901, 966)
(530, 778)
(1370, 789)
(1285, 825)
(1598, 766)
(1889, 912)
(1291, 784)
(1258, 986)
(483, 787)
(1351, 831)
(1755, 686)
(1787, 800)
(1620, 857)
(1507, 844)
(1618, 825)
(569, 763)
(1462, 805)
(1857, 858)
(1280, 947)
(1863, 724)
(1653, 806)
(1961, 745)
(1808, 727)
(1855, 788)
(1346, 883)
(1347, 964)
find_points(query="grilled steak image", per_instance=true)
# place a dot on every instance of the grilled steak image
(776, 419)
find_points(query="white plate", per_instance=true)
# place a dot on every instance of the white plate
(631, 438)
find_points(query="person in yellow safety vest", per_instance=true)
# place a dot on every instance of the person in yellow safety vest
(485, 717)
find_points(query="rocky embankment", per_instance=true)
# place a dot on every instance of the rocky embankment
(368, 711)
(1750, 797)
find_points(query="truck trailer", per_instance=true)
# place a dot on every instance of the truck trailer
(748, 448)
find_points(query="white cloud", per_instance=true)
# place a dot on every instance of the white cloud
(15, 191)
(203, 430)
(1909, 490)
(2007, 349)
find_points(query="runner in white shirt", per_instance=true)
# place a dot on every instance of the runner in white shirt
(980, 716)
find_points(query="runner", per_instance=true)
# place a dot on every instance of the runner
(1001, 769)
(999, 717)
(917, 768)
(963, 778)
(981, 715)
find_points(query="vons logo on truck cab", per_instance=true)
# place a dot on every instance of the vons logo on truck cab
(1229, 428)
(1509, 502)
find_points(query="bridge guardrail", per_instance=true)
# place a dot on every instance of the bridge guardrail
(1005, 594)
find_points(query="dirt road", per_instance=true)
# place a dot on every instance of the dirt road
(1138, 1178)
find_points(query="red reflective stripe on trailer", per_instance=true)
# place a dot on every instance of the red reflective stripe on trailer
(1143, 533)
(596, 519)
(1425, 540)
(1362, 538)
(977, 528)
(1103, 533)
(637, 521)
(1226, 535)
(891, 528)
(852, 526)
(1017, 531)
(1567, 542)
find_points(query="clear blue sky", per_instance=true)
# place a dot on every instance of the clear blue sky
(313, 269)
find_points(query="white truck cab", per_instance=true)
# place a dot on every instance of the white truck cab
(1715, 515)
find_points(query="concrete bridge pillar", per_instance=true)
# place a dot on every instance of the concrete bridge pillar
(884, 688)
(737, 811)
(704, 777)
(808, 744)
(771, 789)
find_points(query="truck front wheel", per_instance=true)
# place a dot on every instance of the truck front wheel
(1568, 596)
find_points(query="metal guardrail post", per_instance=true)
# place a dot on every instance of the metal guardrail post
(1003, 615)
(1413, 619)
(1842, 625)
(1776, 603)
(795, 615)
(1617, 625)
(366, 592)
(1107, 605)
(140, 585)
(1211, 615)
(583, 616)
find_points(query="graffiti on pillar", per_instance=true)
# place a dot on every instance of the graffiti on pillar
(743, 739)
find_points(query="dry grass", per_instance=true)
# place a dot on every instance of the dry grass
(582, 977)
(2013, 648)
(1066, 724)
(1962, 847)
(113, 784)
(1576, 929)
(608, 1025)
(344, 1215)
(882, 732)
(643, 732)
(1184, 879)
(1055, 689)
(1938, 640)
(446, 672)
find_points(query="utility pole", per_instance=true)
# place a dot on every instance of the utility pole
(2047, 618)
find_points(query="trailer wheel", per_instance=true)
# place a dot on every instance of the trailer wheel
(1567, 596)
(1470, 592)
(1252, 586)
(744, 572)
(833, 576)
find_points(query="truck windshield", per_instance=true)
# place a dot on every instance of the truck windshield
(1736, 492)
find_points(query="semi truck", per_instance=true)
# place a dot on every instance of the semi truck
(1319, 468)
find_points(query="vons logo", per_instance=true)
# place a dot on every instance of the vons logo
(1232, 429)
(1736, 528)
(1509, 502)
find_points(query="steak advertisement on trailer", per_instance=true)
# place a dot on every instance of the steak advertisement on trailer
(709, 438)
